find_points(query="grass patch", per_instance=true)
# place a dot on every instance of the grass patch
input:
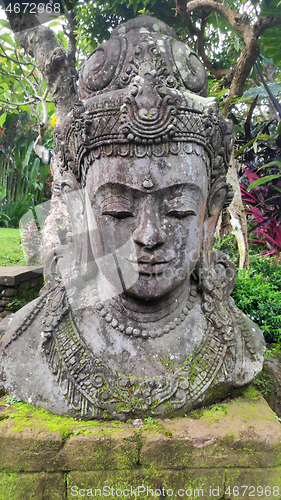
(11, 253)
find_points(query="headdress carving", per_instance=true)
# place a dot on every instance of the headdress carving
(143, 93)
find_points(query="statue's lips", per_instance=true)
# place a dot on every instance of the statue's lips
(151, 266)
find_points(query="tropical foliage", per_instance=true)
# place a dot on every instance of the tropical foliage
(263, 207)
(23, 179)
(207, 28)
(259, 154)
(258, 294)
(257, 290)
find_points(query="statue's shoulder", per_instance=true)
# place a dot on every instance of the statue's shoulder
(23, 369)
(246, 346)
(252, 334)
(23, 320)
(242, 339)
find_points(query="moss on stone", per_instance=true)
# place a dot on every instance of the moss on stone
(215, 413)
(150, 483)
(243, 432)
(36, 486)
(24, 415)
(250, 392)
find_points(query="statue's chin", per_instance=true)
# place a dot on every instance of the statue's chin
(144, 285)
(154, 287)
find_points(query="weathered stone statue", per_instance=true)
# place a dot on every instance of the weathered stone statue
(137, 317)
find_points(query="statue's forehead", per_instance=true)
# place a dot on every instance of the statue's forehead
(149, 173)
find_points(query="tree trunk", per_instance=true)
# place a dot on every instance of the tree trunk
(58, 66)
(237, 217)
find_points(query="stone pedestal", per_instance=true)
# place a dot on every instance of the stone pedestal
(17, 282)
(230, 451)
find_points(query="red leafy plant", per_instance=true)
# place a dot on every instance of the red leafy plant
(263, 208)
(260, 160)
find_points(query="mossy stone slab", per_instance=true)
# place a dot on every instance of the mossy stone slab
(33, 439)
(241, 484)
(102, 449)
(242, 433)
(144, 485)
(37, 486)
(30, 450)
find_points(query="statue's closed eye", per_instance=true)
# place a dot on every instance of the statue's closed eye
(180, 214)
(124, 214)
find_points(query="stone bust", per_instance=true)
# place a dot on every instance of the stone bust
(136, 318)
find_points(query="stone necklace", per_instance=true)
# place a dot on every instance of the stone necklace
(94, 388)
(135, 332)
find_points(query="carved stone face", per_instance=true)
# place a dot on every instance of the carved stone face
(145, 218)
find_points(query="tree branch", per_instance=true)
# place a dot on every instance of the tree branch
(236, 20)
(16, 77)
(31, 101)
(15, 60)
(51, 59)
(239, 23)
(217, 73)
(71, 48)
(38, 145)
(265, 22)
(45, 107)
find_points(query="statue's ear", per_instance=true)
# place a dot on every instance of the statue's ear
(216, 200)
(217, 197)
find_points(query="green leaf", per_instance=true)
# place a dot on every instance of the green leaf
(3, 119)
(236, 45)
(5, 24)
(7, 38)
(34, 170)
(4, 86)
(27, 156)
(261, 92)
(270, 40)
(26, 108)
(2, 192)
(53, 24)
(263, 137)
(263, 180)
(46, 170)
(271, 164)
(17, 157)
(134, 3)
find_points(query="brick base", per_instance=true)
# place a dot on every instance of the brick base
(227, 451)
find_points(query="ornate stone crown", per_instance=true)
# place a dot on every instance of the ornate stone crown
(143, 93)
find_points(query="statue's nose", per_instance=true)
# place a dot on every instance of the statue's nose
(149, 232)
